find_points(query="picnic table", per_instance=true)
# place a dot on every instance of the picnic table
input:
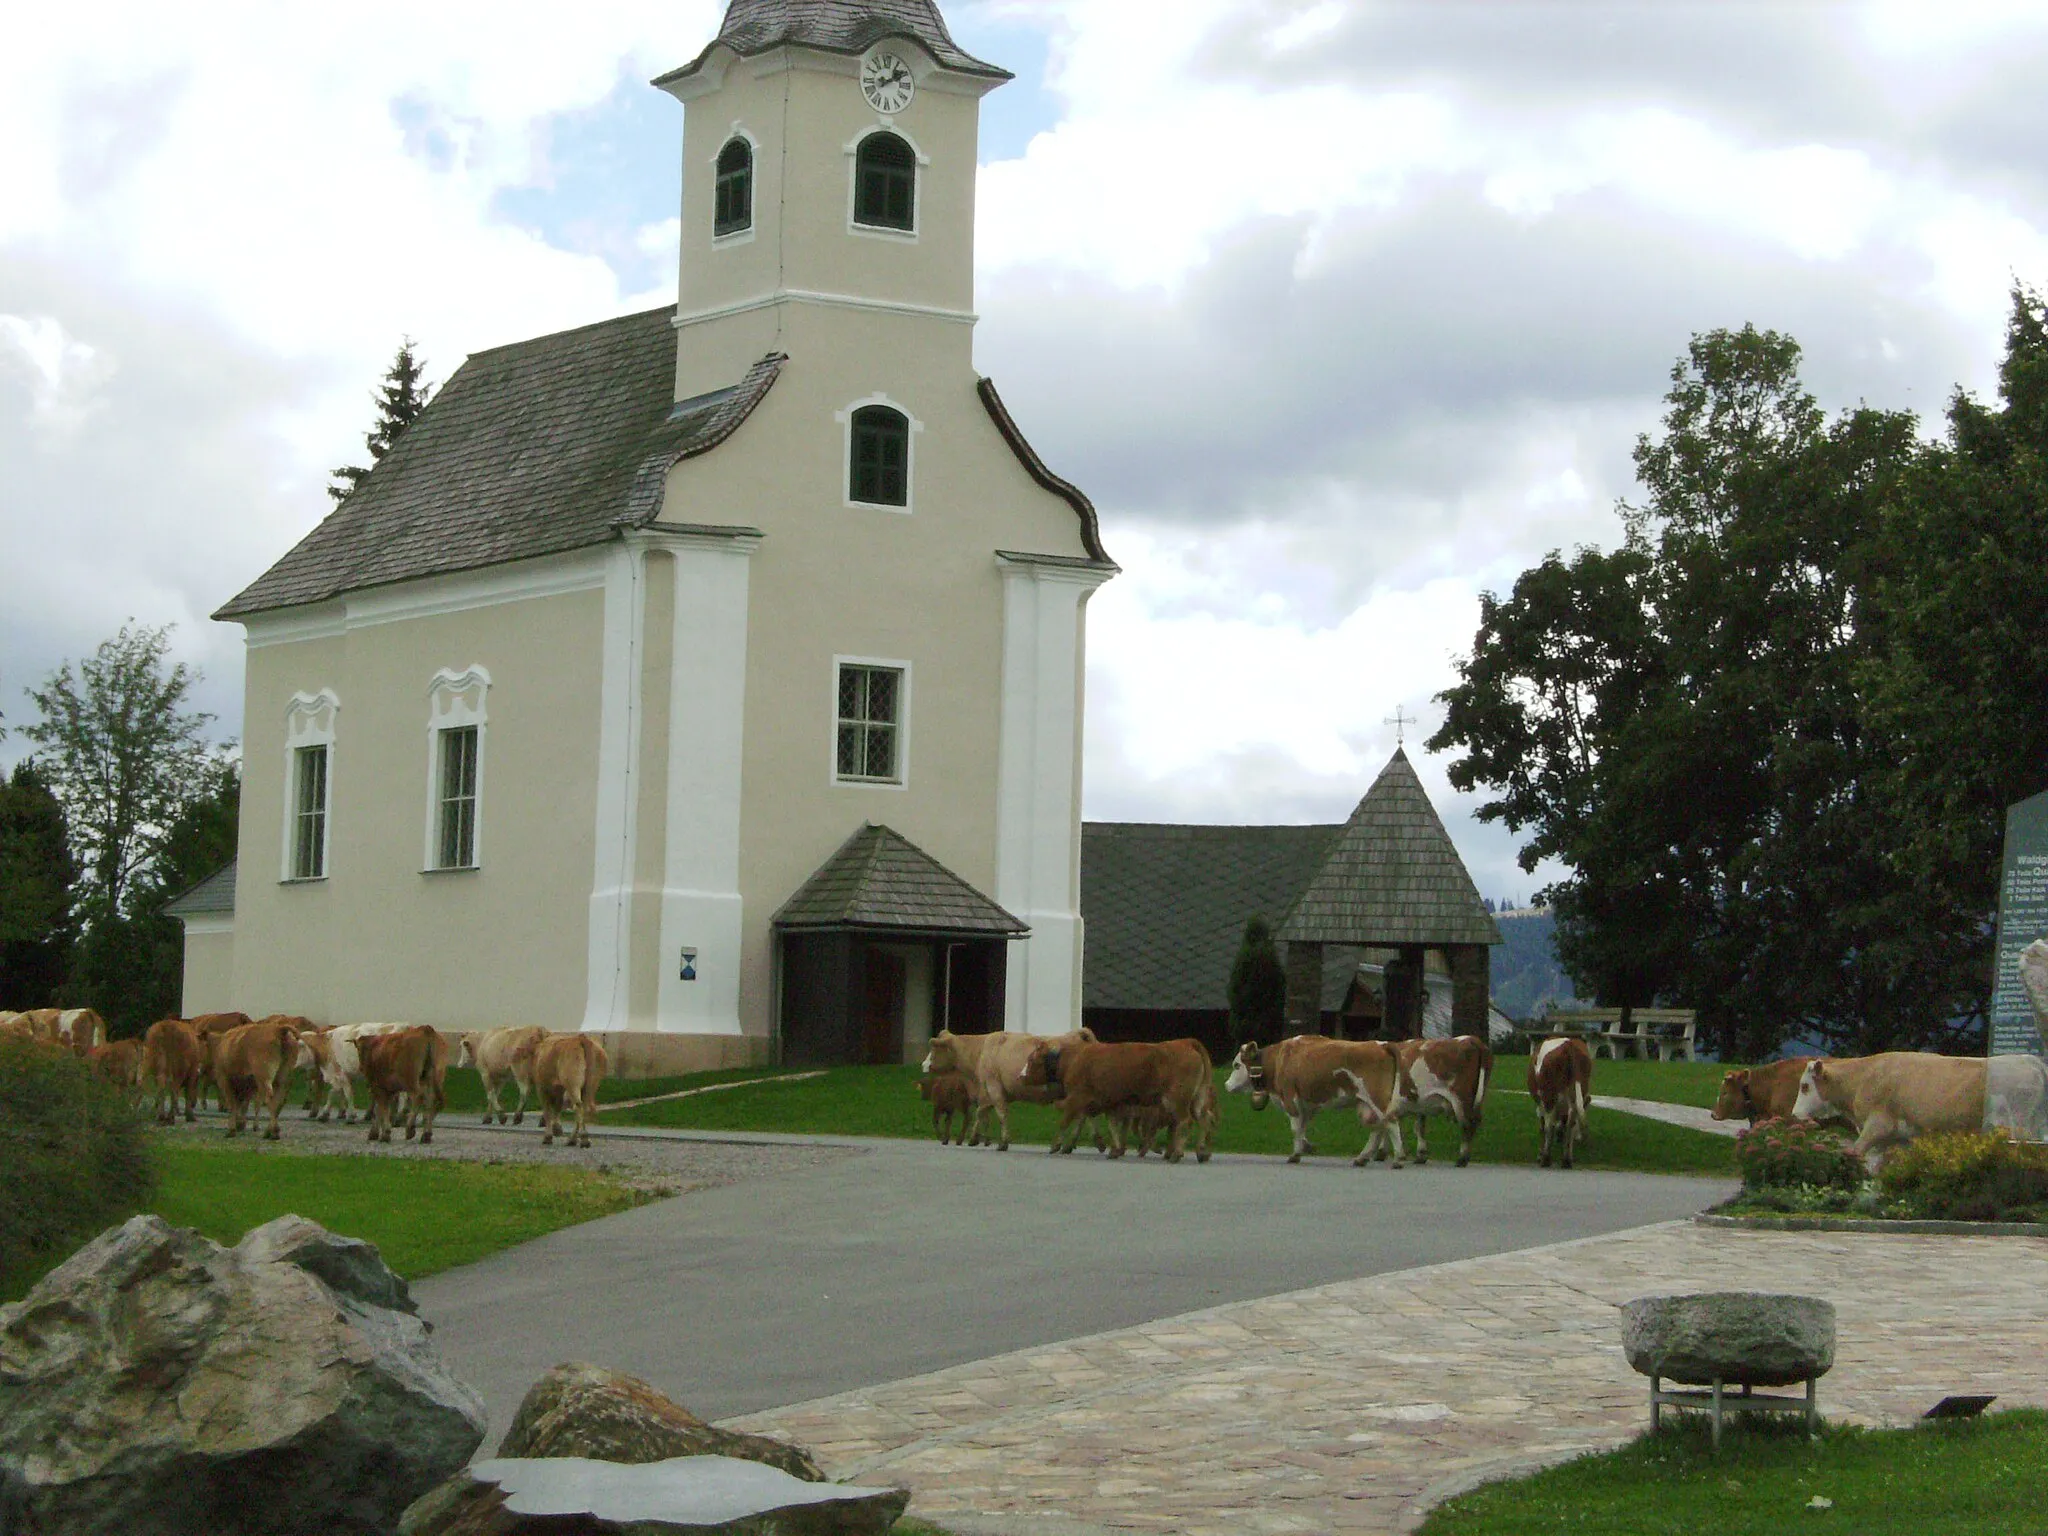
(1669, 1032)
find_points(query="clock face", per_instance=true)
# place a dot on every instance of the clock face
(885, 81)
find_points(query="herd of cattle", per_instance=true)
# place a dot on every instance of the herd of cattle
(250, 1064)
(1134, 1092)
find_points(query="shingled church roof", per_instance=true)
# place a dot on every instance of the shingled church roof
(530, 449)
(879, 879)
(836, 26)
(1392, 876)
(1166, 905)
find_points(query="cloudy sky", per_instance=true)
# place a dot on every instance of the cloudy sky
(1352, 310)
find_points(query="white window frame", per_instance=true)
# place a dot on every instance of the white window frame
(904, 696)
(845, 419)
(455, 699)
(738, 236)
(924, 162)
(310, 720)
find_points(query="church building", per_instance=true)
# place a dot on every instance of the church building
(710, 678)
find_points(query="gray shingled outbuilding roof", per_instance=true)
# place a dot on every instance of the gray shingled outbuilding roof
(1392, 876)
(1165, 905)
(213, 896)
(880, 879)
(530, 449)
(836, 26)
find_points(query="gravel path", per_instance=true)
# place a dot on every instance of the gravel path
(660, 1166)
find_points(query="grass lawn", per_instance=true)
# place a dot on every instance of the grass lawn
(1669, 1082)
(423, 1216)
(1977, 1477)
(883, 1101)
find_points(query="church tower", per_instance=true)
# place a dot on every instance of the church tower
(829, 151)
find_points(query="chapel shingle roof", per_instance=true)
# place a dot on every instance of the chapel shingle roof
(1165, 906)
(879, 879)
(1392, 876)
(529, 449)
(836, 26)
(214, 894)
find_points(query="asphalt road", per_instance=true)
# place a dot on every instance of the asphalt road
(910, 1257)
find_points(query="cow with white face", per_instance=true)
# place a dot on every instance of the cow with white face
(1308, 1074)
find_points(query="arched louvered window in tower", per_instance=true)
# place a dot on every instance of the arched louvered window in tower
(734, 210)
(880, 471)
(885, 183)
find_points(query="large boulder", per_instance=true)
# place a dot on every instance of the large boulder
(1742, 1338)
(585, 1410)
(702, 1495)
(159, 1384)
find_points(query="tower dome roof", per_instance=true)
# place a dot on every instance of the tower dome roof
(837, 26)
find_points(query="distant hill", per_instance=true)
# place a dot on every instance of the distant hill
(1526, 975)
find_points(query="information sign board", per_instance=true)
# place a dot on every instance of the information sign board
(2022, 918)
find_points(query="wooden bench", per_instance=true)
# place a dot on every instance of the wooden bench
(1669, 1032)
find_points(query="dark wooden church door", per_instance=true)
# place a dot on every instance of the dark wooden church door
(882, 1009)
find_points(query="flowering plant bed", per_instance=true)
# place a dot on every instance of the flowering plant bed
(1797, 1175)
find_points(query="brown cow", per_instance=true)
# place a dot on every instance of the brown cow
(1173, 1077)
(1561, 1083)
(1761, 1093)
(412, 1063)
(252, 1068)
(1310, 1073)
(566, 1071)
(1894, 1096)
(175, 1062)
(1444, 1077)
(948, 1095)
(1001, 1068)
(119, 1062)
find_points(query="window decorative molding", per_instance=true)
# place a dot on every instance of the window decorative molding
(881, 453)
(310, 721)
(457, 717)
(732, 194)
(886, 187)
(870, 722)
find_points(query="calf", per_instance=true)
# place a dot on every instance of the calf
(1761, 1093)
(1561, 1083)
(1308, 1074)
(1893, 1097)
(495, 1053)
(173, 1061)
(252, 1068)
(405, 1064)
(566, 1072)
(948, 1095)
(1172, 1077)
(1443, 1077)
(119, 1062)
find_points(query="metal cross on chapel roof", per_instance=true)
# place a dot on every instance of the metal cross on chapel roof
(1400, 722)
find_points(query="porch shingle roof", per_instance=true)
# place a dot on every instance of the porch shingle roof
(879, 879)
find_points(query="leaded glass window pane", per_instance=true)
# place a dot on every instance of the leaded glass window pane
(870, 703)
(309, 842)
(734, 198)
(458, 798)
(880, 472)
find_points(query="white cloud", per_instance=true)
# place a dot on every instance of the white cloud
(64, 374)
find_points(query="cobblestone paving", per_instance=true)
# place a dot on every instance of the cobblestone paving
(1355, 1407)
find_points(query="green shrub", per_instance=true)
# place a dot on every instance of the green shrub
(74, 1157)
(1967, 1176)
(1786, 1152)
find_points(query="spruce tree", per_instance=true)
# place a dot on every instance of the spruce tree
(399, 399)
(37, 874)
(1258, 985)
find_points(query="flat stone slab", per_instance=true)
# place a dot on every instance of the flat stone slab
(1747, 1338)
(700, 1494)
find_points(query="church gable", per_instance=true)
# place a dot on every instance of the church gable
(530, 449)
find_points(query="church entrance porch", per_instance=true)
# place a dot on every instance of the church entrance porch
(881, 948)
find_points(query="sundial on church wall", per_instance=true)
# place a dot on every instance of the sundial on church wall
(886, 82)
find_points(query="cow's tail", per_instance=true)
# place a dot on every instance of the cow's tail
(1479, 1097)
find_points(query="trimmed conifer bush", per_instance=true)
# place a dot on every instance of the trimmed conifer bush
(74, 1157)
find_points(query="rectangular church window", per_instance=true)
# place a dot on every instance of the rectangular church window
(870, 722)
(457, 845)
(309, 813)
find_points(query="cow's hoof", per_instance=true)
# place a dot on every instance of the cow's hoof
(520, 1118)
(1361, 1161)
(1294, 1157)
(272, 1135)
(1465, 1161)
(426, 1138)
(488, 1117)
(1002, 1146)
(1201, 1157)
